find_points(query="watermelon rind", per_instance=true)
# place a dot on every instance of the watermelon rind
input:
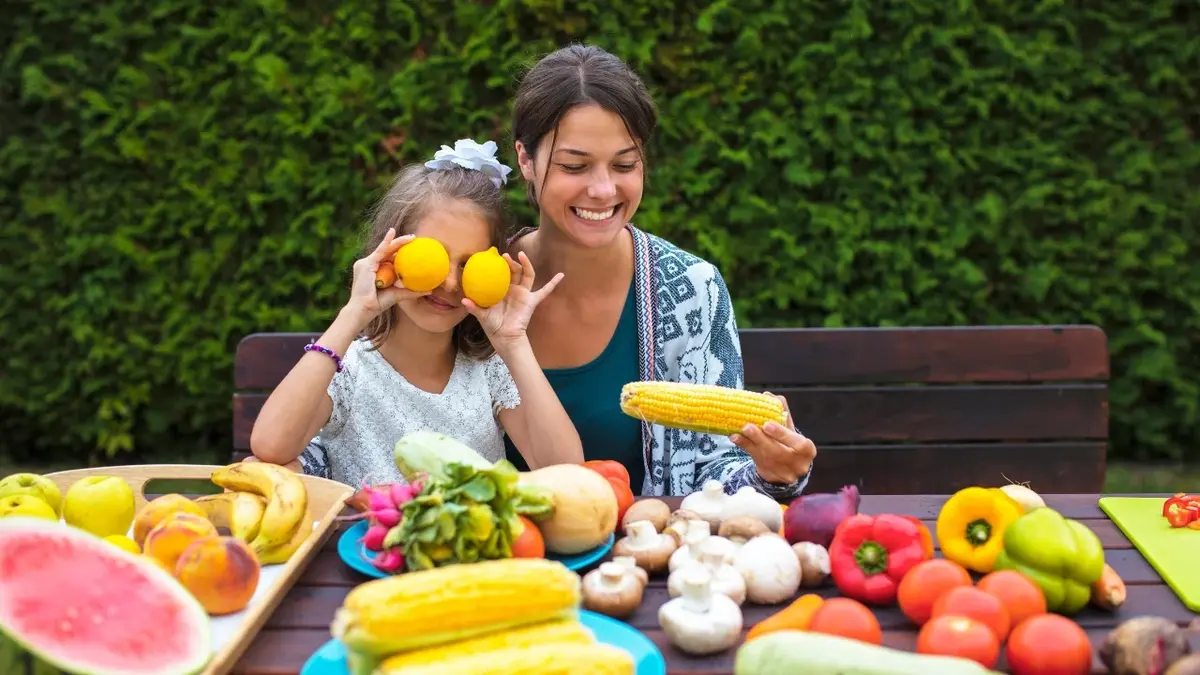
(90, 545)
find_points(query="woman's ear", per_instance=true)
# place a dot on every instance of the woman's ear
(525, 162)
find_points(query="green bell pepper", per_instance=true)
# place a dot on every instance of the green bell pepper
(1060, 555)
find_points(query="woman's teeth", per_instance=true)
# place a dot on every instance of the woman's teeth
(594, 215)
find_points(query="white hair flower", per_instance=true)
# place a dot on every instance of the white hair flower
(471, 155)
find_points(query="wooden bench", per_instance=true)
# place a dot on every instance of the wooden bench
(893, 410)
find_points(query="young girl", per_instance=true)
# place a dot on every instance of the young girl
(396, 361)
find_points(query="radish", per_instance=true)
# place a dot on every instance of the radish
(387, 517)
(379, 499)
(401, 493)
(374, 537)
(389, 561)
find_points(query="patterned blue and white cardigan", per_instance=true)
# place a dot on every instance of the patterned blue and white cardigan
(686, 333)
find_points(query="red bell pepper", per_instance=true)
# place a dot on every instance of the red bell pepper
(1182, 516)
(926, 536)
(869, 555)
(1177, 500)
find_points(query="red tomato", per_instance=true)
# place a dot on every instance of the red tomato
(529, 544)
(1048, 644)
(975, 604)
(609, 469)
(1017, 592)
(959, 636)
(624, 496)
(847, 618)
(925, 583)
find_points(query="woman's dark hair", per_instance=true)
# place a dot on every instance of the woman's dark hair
(414, 191)
(574, 76)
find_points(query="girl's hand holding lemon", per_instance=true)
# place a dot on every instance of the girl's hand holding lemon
(499, 293)
(376, 288)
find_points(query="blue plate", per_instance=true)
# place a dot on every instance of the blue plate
(330, 659)
(352, 552)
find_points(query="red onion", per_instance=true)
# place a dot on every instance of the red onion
(814, 517)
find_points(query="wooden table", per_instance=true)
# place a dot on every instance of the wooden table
(301, 624)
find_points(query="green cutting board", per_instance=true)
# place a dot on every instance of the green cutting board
(1172, 551)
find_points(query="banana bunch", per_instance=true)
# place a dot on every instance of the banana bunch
(265, 506)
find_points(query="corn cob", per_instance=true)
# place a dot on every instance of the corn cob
(705, 408)
(553, 659)
(444, 604)
(561, 631)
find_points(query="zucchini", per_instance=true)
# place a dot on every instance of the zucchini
(794, 651)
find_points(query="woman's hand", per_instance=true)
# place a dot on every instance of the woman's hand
(505, 322)
(364, 296)
(781, 454)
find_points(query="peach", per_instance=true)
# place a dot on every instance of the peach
(221, 572)
(176, 532)
(153, 513)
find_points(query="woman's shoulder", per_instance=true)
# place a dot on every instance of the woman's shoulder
(669, 261)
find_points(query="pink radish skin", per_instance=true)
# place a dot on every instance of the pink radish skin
(387, 517)
(374, 537)
(379, 499)
(401, 494)
(389, 561)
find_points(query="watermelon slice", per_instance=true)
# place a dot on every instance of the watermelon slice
(72, 602)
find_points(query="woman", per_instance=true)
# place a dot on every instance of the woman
(630, 306)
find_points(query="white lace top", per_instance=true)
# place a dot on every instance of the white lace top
(374, 406)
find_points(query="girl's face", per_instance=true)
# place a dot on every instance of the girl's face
(590, 186)
(459, 227)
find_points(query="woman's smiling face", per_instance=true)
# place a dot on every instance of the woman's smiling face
(588, 176)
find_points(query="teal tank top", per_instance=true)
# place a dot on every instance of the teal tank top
(591, 395)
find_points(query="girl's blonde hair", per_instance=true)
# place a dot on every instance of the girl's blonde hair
(415, 190)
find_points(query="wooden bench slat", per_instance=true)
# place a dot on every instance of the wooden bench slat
(831, 355)
(950, 413)
(894, 410)
(924, 354)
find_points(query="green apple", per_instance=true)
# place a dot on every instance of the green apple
(32, 484)
(26, 505)
(102, 505)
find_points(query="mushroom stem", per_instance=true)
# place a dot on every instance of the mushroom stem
(696, 591)
(714, 489)
(611, 573)
(641, 533)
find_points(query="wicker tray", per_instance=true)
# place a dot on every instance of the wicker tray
(233, 633)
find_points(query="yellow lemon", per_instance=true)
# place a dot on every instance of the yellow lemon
(486, 278)
(422, 264)
(122, 541)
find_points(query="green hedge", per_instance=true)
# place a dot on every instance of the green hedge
(174, 176)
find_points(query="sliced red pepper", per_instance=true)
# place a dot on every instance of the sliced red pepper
(1178, 499)
(1181, 516)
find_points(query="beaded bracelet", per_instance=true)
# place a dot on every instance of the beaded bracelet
(314, 347)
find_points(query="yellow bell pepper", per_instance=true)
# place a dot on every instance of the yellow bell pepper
(971, 524)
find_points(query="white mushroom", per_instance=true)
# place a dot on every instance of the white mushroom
(700, 621)
(631, 563)
(814, 563)
(682, 528)
(649, 548)
(770, 568)
(612, 589)
(707, 502)
(750, 502)
(653, 510)
(726, 580)
(741, 529)
(690, 550)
